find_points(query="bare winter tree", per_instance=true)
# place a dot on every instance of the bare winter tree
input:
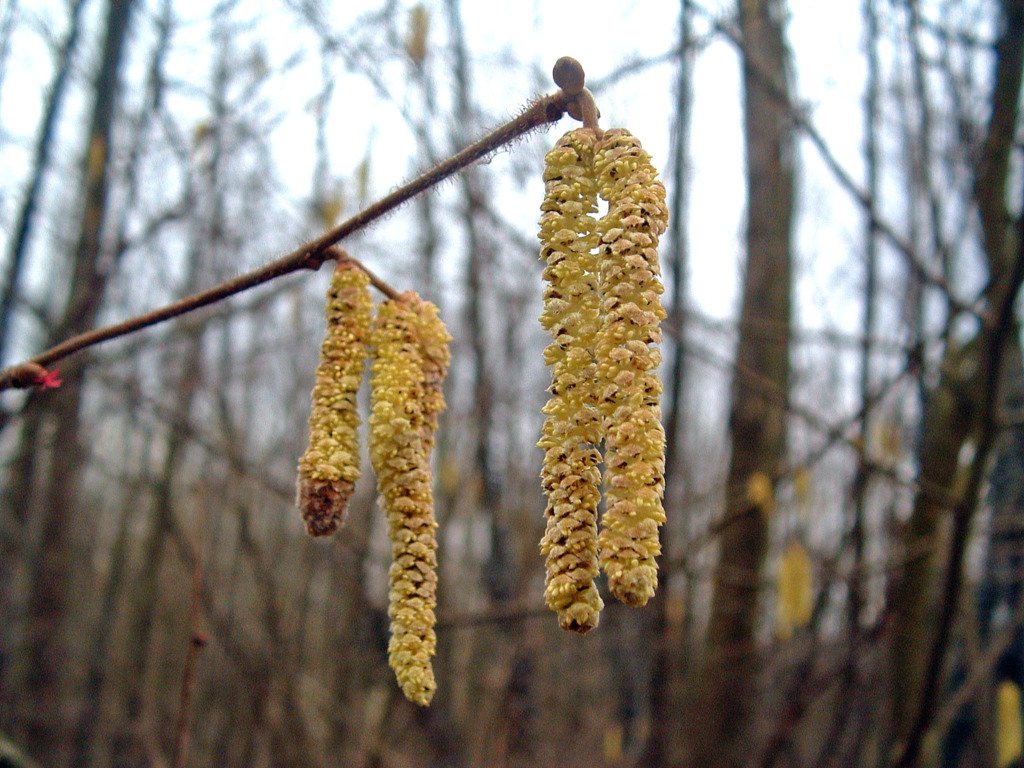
(722, 701)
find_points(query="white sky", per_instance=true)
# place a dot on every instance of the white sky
(825, 40)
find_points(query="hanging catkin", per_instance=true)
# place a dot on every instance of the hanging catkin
(410, 359)
(572, 430)
(434, 338)
(795, 602)
(627, 365)
(329, 467)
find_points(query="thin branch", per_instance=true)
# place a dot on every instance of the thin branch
(512, 614)
(340, 254)
(310, 255)
(197, 641)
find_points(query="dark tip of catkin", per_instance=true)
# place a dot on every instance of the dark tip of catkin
(323, 503)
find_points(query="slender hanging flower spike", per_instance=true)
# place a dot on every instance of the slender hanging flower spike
(410, 358)
(434, 338)
(795, 602)
(329, 468)
(627, 367)
(572, 430)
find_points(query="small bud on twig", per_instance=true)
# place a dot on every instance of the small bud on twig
(569, 76)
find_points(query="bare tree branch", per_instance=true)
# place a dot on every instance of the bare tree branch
(310, 255)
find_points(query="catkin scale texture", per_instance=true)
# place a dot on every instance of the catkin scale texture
(572, 429)
(627, 365)
(330, 466)
(410, 360)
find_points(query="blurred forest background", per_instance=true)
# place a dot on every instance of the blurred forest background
(844, 400)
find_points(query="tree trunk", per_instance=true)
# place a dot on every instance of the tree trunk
(50, 587)
(665, 743)
(723, 683)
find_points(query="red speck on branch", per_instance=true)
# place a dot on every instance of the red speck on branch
(49, 379)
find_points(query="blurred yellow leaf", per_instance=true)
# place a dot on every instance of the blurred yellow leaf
(794, 586)
(760, 492)
(419, 29)
(613, 745)
(802, 486)
(889, 439)
(1009, 729)
(97, 157)
(201, 132)
(328, 210)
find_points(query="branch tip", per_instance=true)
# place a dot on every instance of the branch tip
(568, 75)
(30, 374)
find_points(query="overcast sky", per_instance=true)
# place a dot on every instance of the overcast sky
(826, 43)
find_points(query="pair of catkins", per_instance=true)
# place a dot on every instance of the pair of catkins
(408, 347)
(602, 307)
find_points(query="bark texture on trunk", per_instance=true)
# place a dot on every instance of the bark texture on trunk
(722, 684)
(58, 413)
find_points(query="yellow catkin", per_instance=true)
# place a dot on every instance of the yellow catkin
(627, 365)
(410, 359)
(329, 467)
(572, 430)
(416, 38)
(795, 599)
(434, 339)
(761, 492)
(1009, 731)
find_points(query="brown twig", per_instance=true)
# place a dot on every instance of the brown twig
(310, 255)
(340, 254)
(588, 111)
(197, 641)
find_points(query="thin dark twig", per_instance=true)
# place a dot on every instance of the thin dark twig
(512, 614)
(310, 255)
(197, 641)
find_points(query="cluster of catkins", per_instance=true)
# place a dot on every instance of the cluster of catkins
(602, 308)
(408, 347)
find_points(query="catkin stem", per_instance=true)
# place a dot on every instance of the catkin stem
(340, 254)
